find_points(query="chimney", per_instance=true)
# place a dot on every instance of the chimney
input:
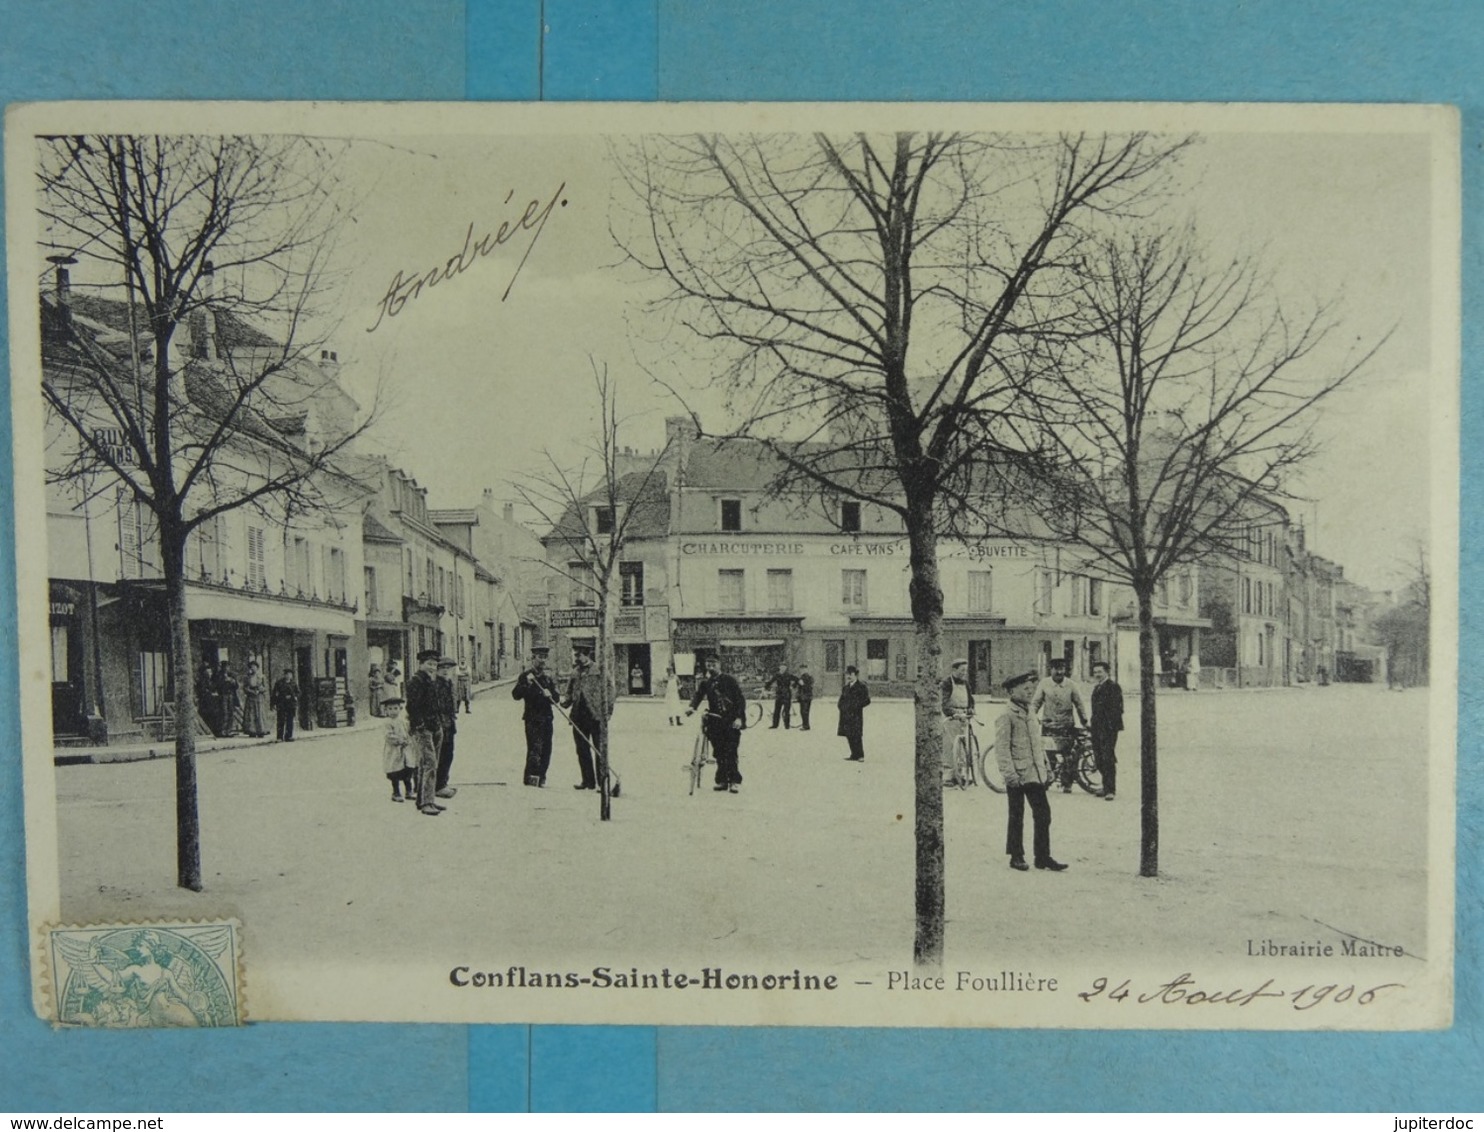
(679, 433)
(488, 499)
(509, 512)
(63, 277)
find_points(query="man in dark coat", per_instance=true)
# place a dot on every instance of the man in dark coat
(538, 691)
(424, 717)
(806, 696)
(285, 699)
(1107, 722)
(783, 690)
(854, 698)
(582, 701)
(448, 712)
(726, 716)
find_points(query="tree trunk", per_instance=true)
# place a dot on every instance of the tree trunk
(927, 615)
(187, 820)
(605, 709)
(1148, 744)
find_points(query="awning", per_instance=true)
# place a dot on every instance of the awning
(748, 643)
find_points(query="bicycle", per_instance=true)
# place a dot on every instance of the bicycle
(1084, 767)
(700, 756)
(966, 758)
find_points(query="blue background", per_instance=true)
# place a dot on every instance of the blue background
(1248, 50)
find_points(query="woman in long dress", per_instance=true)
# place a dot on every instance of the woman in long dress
(374, 682)
(231, 702)
(253, 691)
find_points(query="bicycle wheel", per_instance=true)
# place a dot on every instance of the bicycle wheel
(989, 769)
(754, 712)
(962, 773)
(1088, 775)
(697, 762)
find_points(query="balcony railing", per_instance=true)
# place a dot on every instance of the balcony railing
(229, 584)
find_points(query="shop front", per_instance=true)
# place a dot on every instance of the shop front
(751, 648)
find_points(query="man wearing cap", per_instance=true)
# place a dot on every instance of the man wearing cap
(806, 696)
(1022, 758)
(448, 714)
(423, 716)
(583, 702)
(538, 691)
(1057, 701)
(958, 709)
(726, 716)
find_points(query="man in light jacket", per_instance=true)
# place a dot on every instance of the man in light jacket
(1021, 754)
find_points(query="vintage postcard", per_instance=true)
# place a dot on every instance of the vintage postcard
(936, 565)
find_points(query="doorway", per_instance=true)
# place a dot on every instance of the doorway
(981, 674)
(635, 667)
(304, 673)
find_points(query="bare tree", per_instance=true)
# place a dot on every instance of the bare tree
(1174, 421)
(591, 512)
(187, 375)
(1405, 627)
(873, 302)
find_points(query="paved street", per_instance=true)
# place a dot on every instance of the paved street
(1283, 812)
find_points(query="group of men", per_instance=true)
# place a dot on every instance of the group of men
(1039, 710)
(432, 714)
(581, 703)
(786, 687)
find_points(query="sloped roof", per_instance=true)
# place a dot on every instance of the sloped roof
(374, 530)
(648, 504)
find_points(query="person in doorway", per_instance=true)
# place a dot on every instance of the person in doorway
(228, 699)
(1022, 757)
(674, 705)
(373, 682)
(725, 718)
(285, 702)
(583, 702)
(956, 702)
(424, 715)
(636, 681)
(207, 702)
(463, 685)
(254, 692)
(396, 750)
(806, 696)
(855, 697)
(1107, 722)
(537, 691)
(1059, 705)
(448, 714)
(783, 691)
(391, 682)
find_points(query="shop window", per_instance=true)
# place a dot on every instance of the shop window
(853, 589)
(61, 658)
(780, 591)
(731, 514)
(731, 597)
(850, 515)
(631, 583)
(981, 592)
(876, 659)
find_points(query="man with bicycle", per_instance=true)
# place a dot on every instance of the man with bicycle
(1057, 701)
(726, 716)
(958, 711)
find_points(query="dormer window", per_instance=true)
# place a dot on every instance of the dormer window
(850, 515)
(603, 520)
(731, 514)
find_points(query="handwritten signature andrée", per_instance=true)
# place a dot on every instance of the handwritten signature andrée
(405, 287)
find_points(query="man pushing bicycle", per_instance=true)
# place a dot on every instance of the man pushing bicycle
(1057, 701)
(957, 703)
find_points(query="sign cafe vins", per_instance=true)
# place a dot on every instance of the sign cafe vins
(978, 551)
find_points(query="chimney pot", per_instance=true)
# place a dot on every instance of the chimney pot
(510, 512)
(63, 277)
